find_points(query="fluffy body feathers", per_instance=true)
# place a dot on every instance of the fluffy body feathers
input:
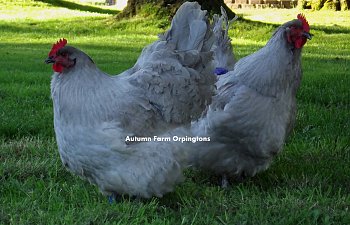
(224, 58)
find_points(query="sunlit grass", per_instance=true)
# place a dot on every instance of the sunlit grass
(308, 183)
(44, 10)
(278, 16)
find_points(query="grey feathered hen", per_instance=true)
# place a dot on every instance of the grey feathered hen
(94, 113)
(255, 108)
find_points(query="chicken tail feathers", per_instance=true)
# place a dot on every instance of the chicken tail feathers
(222, 47)
(189, 28)
(183, 63)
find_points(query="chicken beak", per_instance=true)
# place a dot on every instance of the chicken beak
(307, 35)
(50, 60)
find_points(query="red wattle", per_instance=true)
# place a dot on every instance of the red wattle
(299, 43)
(57, 67)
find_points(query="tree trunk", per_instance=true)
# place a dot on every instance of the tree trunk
(169, 7)
(345, 4)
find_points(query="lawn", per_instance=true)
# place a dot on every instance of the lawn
(309, 183)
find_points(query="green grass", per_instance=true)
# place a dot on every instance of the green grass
(308, 183)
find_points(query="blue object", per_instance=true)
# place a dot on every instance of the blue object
(111, 198)
(220, 71)
(114, 197)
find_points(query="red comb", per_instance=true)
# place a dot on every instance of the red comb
(302, 18)
(55, 47)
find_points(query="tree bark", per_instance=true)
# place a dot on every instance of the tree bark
(170, 6)
(345, 4)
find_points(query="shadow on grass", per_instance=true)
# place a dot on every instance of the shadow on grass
(98, 26)
(76, 6)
